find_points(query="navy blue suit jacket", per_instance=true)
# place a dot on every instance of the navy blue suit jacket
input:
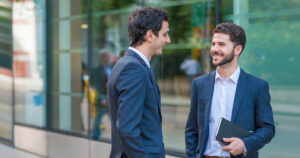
(134, 104)
(251, 110)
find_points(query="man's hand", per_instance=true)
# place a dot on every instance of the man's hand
(236, 146)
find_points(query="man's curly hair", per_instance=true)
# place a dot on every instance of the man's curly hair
(142, 20)
(236, 33)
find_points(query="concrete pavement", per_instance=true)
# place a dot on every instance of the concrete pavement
(11, 152)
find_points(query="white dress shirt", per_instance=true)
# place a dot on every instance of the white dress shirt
(141, 55)
(222, 104)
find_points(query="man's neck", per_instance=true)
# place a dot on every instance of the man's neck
(226, 71)
(145, 50)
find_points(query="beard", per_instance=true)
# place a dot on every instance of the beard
(227, 59)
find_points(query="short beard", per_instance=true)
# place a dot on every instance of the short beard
(227, 59)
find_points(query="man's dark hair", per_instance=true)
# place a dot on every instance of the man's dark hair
(236, 33)
(142, 20)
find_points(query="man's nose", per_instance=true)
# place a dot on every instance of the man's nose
(213, 48)
(168, 40)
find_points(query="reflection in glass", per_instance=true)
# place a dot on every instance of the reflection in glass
(69, 109)
(99, 104)
(29, 62)
(109, 41)
(6, 80)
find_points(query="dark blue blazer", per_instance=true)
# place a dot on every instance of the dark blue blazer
(134, 104)
(251, 110)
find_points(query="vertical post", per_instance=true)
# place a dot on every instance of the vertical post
(89, 51)
(49, 71)
(143, 3)
(240, 10)
(64, 73)
(13, 81)
(218, 12)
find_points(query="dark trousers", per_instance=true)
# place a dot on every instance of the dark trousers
(124, 155)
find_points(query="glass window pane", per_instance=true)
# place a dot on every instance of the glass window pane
(109, 40)
(29, 62)
(6, 76)
(69, 108)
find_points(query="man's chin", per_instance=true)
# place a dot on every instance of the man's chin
(219, 64)
(159, 53)
(216, 63)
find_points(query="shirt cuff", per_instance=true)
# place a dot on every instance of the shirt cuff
(245, 151)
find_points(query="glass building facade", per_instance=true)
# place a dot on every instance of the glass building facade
(51, 52)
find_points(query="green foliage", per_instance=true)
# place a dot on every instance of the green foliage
(227, 7)
(256, 6)
(104, 5)
(180, 23)
(103, 19)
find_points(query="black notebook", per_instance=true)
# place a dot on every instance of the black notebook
(228, 129)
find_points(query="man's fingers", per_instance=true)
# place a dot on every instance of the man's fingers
(227, 148)
(235, 147)
(229, 140)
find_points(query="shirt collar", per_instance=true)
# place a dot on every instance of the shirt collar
(141, 55)
(234, 77)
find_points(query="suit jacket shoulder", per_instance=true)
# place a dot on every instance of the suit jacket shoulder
(256, 79)
(255, 83)
(205, 79)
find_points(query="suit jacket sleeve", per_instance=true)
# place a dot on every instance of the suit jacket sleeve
(131, 85)
(191, 130)
(264, 122)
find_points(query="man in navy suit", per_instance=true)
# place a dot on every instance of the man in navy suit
(133, 94)
(233, 94)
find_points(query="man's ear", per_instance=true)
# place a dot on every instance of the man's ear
(149, 35)
(238, 50)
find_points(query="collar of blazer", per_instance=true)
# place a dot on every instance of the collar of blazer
(132, 53)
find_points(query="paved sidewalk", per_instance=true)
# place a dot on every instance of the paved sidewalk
(10, 152)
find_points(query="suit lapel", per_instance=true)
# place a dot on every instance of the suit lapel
(210, 91)
(152, 78)
(239, 94)
(154, 83)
